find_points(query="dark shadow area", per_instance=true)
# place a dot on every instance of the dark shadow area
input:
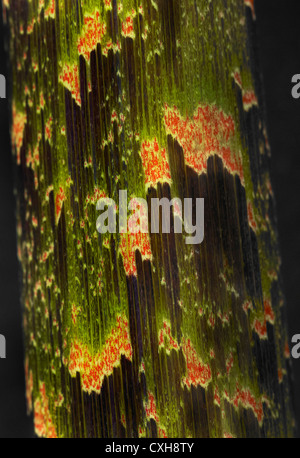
(279, 39)
(14, 421)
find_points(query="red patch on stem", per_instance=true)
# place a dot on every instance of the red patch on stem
(50, 10)
(155, 164)
(198, 373)
(269, 313)
(229, 363)
(151, 412)
(93, 368)
(129, 244)
(260, 326)
(127, 27)
(92, 33)
(245, 398)
(59, 200)
(208, 133)
(69, 78)
(18, 125)
(249, 100)
(217, 399)
(43, 424)
(287, 350)
(165, 340)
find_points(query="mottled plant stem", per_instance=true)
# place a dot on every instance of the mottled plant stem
(134, 335)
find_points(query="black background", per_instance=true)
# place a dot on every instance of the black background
(278, 23)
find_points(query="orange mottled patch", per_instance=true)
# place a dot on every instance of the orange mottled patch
(97, 195)
(50, 10)
(48, 131)
(59, 400)
(48, 191)
(34, 221)
(245, 398)
(59, 200)
(155, 164)
(92, 32)
(248, 95)
(269, 313)
(198, 373)
(33, 158)
(70, 79)
(237, 78)
(42, 102)
(208, 133)
(43, 424)
(30, 26)
(18, 125)
(165, 340)
(260, 327)
(260, 324)
(249, 100)
(138, 221)
(108, 4)
(74, 313)
(93, 368)
(211, 320)
(287, 350)
(151, 412)
(229, 363)
(247, 305)
(217, 399)
(41, 5)
(129, 243)
(127, 27)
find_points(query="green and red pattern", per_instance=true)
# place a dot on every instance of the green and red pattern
(143, 335)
